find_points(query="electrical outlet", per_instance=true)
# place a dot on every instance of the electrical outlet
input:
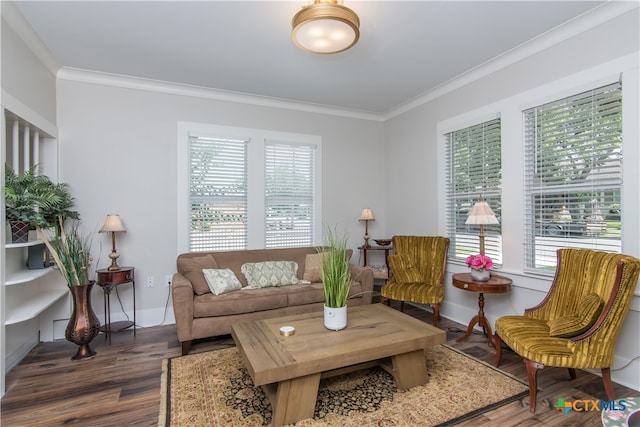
(168, 279)
(150, 282)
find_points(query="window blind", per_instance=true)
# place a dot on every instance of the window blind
(217, 194)
(473, 169)
(289, 195)
(573, 175)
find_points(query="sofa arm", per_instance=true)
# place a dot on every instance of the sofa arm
(182, 295)
(364, 275)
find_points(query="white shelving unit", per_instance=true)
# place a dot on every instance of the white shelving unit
(33, 303)
(26, 296)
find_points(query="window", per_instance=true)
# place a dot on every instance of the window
(473, 169)
(218, 193)
(289, 196)
(242, 188)
(573, 175)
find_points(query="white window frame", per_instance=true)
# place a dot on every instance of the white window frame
(289, 214)
(466, 239)
(510, 110)
(575, 224)
(256, 204)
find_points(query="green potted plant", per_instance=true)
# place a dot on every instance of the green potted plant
(336, 280)
(71, 252)
(33, 200)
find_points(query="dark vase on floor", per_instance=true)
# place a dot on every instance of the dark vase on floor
(84, 325)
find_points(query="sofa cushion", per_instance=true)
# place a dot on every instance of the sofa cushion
(589, 309)
(221, 280)
(270, 273)
(243, 301)
(191, 268)
(313, 268)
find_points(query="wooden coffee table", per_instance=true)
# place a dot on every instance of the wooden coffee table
(289, 368)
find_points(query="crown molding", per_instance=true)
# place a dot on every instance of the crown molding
(139, 83)
(577, 25)
(12, 16)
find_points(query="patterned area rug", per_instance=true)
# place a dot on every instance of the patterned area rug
(214, 389)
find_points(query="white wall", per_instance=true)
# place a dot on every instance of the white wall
(412, 157)
(118, 152)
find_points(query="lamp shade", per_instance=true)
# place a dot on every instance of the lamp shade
(366, 215)
(481, 213)
(112, 224)
(325, 27)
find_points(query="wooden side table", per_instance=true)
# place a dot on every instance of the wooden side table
(108, 280)
(495, 285)
(386, 250)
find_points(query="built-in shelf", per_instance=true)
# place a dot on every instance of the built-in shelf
(23, 245)
(30, 309)
(24, 276)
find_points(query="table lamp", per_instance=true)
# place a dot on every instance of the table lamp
(481, 214)
(366, 215)
(113, 225)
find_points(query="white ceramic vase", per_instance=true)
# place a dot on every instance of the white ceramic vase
(480, 275)
(335, 318)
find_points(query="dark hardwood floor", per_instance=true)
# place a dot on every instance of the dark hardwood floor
(121, 385)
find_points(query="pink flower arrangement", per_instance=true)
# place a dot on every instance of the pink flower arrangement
(479, 262)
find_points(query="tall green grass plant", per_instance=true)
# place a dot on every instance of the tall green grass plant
(336, 276)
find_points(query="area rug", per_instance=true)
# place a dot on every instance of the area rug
(214, 389)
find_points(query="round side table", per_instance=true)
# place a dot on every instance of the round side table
(495, 285)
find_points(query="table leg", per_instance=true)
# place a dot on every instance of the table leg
(295, 399)
(479, 320)
(108, 315)
(409, 369)
(133, 286)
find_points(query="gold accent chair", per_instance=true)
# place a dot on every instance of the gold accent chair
(417, 272)
(577, 324)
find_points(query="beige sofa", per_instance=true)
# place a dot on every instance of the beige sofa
(201, 314)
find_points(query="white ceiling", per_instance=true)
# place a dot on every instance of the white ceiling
(406, 48)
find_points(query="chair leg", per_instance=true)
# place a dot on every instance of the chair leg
(402, 306)
(436, 314)
(385, 301)
(572, 373)
(608, 385)
(532, 373)
(498, 343)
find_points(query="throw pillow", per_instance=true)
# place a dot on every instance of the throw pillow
(403, 269)
(270, 273)
(589, 309)
(313, 268)
(191, 268)
(221, 281)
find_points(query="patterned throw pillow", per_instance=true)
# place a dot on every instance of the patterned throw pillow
(270, 273)
(313, 268)
(403, 269)
(589, 309)
(221, 281)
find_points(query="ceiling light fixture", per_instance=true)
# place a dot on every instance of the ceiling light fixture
(325, 27)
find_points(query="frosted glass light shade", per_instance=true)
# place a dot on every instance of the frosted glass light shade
(325, 27)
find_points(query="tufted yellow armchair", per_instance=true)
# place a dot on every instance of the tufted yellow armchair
(417, 271)
(577, 324)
